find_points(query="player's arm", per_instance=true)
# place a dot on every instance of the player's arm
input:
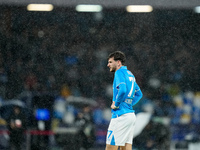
(121, 87)
(138, 94)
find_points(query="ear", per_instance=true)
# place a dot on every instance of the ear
(119, 63)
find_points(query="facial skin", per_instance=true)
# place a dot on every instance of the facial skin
(114, 65)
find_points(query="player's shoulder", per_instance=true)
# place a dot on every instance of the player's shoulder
(129, 72)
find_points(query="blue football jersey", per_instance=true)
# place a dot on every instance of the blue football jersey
(126, 92)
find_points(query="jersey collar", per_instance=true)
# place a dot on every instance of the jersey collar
(123, 67)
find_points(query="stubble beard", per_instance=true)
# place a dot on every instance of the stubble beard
(113, 69)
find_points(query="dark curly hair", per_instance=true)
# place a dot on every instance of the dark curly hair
(118, 55)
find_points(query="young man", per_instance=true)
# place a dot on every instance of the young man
(126, 93)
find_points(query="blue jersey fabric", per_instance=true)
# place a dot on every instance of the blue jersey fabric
(126, 92)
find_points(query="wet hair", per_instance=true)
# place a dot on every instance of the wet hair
(118, 55)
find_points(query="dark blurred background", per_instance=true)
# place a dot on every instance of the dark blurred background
(54, 66)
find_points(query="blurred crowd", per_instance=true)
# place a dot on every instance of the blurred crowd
(65, 52)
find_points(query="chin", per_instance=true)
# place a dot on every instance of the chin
(112, 70)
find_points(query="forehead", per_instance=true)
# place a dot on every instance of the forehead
(111, 59)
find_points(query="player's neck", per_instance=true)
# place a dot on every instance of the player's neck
(118, 67)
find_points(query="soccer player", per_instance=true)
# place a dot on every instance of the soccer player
(126, 93)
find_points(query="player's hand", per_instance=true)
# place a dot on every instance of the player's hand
(113, 106)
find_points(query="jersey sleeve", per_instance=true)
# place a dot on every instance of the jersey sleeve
(138, 94)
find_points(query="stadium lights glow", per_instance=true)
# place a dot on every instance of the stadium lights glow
(89, 8)
(40, 7)
(139, 8)
(197, 9)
